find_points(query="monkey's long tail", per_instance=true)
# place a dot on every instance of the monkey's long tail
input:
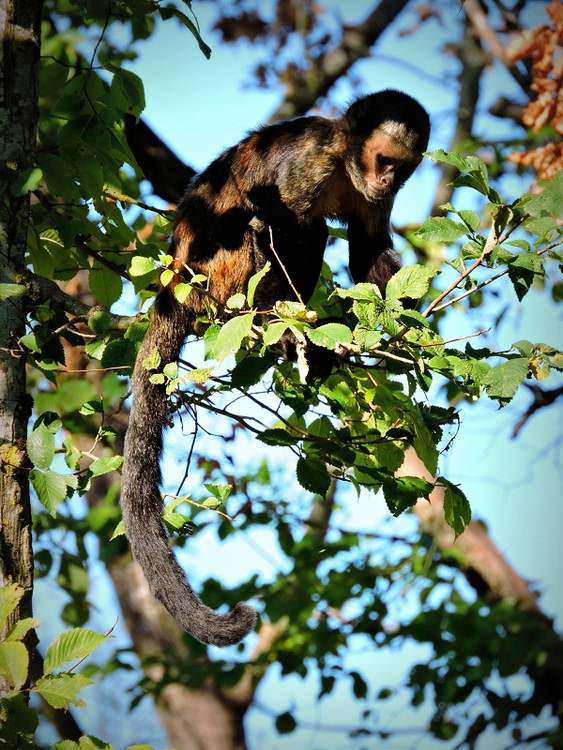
(141, 500)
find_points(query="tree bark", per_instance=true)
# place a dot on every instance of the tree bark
(20, 34)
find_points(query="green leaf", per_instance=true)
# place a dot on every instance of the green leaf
(313, 476)
(285, 723)
(128, 92)
(182, 292)
(254, 280)
(10, 595)
(363, 291)
(274, 332)
(471, 218)
(105, 284)
(523, 270)
(438, 229)
(119, 353)
(502, 381)
(118, 531)
(329, 335)
(72, 645)
(457, 510)
(60, 691)
(169, 10)
(21, 628)
(105, 464)
(41, 446)
(403, 492)
(153, 360)
(141, 265)
(11, 290)
(14, 663)
(50, 487)
(85, 743)
(99, 321)
(232, 334)
(27, 180)
(236, 301)
(277, 436)
(219, 491)
(170, 370)
(409, 281)
(166, 276)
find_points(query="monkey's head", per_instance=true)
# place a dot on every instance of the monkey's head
(388, 133)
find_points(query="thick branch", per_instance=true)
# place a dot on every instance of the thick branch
(19, 58)
(541, 399)
(168, 174)
(315, 82)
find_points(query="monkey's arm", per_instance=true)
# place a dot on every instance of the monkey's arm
(372, 257)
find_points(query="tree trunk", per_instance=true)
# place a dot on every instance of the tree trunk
(19, 31)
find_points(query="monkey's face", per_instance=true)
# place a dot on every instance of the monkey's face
(386, 162)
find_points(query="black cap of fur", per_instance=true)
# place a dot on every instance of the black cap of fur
(373, 110)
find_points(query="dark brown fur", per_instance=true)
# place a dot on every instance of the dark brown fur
(286, 178)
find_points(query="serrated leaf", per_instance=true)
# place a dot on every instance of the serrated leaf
(60, 691)
(21, 628)
(329, 335)
(232, 334)
(105, 284)
(11, 290)
(182, 292)
(440, 229)
(14, 663)
(128, 92)
(274, 332)
(471, 218)
(220, 491)
(502, 381)
(157, 378)
(403, 492)
(50, 487)
(166, 276)
(363, 291)
(254, 280)
(197, 375)
(152, 361)
(41, 446)
(457, 510)
(72, 645)
(313, 476)
(409, 281)
(85, 743)
(170, 370)
(104, 465)
(236, 301)
(119, 353)
(141, 265)
(10, 595)
(276, 436)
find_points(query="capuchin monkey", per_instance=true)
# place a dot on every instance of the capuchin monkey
(265, 199)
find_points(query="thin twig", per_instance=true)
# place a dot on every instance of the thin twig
(283, 268)
(490, 244)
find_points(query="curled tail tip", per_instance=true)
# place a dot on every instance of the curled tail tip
(229, 629)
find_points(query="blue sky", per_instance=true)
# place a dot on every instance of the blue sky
(199, 107)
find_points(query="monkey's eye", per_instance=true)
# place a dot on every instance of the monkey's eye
(384, 162)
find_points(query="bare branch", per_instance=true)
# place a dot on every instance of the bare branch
(541, 399)
(309, 85)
